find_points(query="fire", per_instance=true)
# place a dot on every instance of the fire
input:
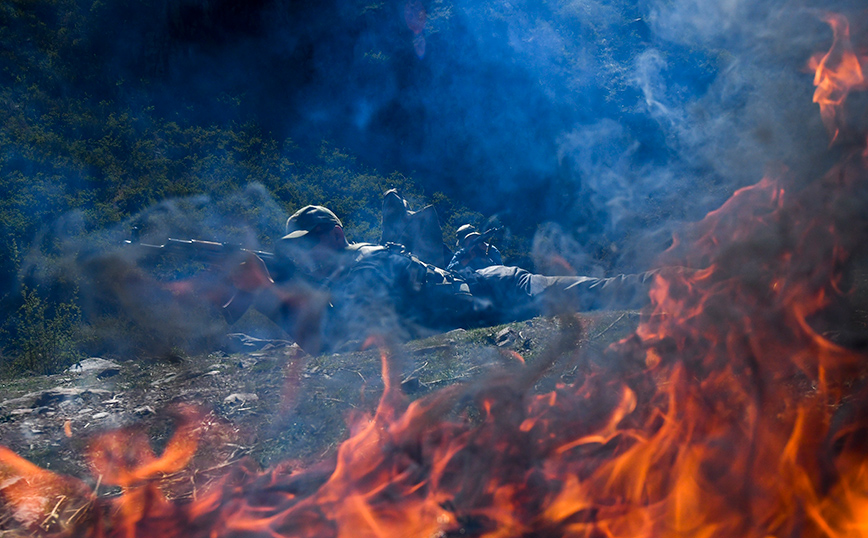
(727, 413)
(124, 458)
(36, 498)
(837, 73)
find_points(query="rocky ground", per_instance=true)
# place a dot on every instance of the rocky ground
(269, 402)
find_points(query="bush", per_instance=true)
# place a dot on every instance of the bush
(44, 337)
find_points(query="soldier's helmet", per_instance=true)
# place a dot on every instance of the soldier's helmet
(310, 219)
(462, 232)
(469, 239)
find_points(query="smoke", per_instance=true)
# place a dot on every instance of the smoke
(138, 299)
(613, 119)
(608, 122)
(721, 94)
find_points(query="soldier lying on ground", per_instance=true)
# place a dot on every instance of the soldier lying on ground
(349, 291)
(474, 252)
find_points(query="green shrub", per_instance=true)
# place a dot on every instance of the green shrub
(44, 337)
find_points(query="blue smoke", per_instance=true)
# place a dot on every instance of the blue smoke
(613, 121)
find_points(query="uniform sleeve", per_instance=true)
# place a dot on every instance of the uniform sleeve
(620, 292)
(364, 304)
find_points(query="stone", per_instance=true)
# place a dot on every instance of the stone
(240, 398)
(95, 365)
(144, 410)
(505, 337)
(59, 394)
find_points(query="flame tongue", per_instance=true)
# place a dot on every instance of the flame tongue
(757, 398)
(837, 73)
(39, 500)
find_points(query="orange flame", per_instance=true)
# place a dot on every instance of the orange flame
(34, 497)
(124, 458)
(837, 73)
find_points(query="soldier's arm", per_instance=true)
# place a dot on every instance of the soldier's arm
(294, 306)
(366, 303)
(625, 291)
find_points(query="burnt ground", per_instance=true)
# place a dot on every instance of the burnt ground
(269, 402)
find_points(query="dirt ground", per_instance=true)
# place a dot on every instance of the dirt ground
(269, 402)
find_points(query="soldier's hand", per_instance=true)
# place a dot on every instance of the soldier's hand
(251, 275)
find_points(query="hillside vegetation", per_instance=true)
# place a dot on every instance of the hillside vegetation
(88, 154)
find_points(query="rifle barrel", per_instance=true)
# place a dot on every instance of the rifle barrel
(200, 250)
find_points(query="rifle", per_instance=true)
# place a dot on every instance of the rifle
(209, 252)
(212, 252)
(202, 251)
(483, 237)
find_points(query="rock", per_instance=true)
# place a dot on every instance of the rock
(505, 337)
(68, 405)
(411, 385)
(240, 398)
(99, 415)
(58, 394)
(167, 379)
(102, 368)
(246, 343)
(144, 410)
(108, 373)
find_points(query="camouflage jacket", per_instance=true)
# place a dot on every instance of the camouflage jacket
(387, 291)
(467, 260)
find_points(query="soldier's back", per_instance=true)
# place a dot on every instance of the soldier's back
(386, 290)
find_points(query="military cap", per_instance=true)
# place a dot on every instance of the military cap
(311, 218)
(469, 238)
(462, 232)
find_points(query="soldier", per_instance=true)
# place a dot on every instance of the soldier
(474, 252)
(419, 231)
(348, 291)
(464, 231)
(461, 233)
(344, 292)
